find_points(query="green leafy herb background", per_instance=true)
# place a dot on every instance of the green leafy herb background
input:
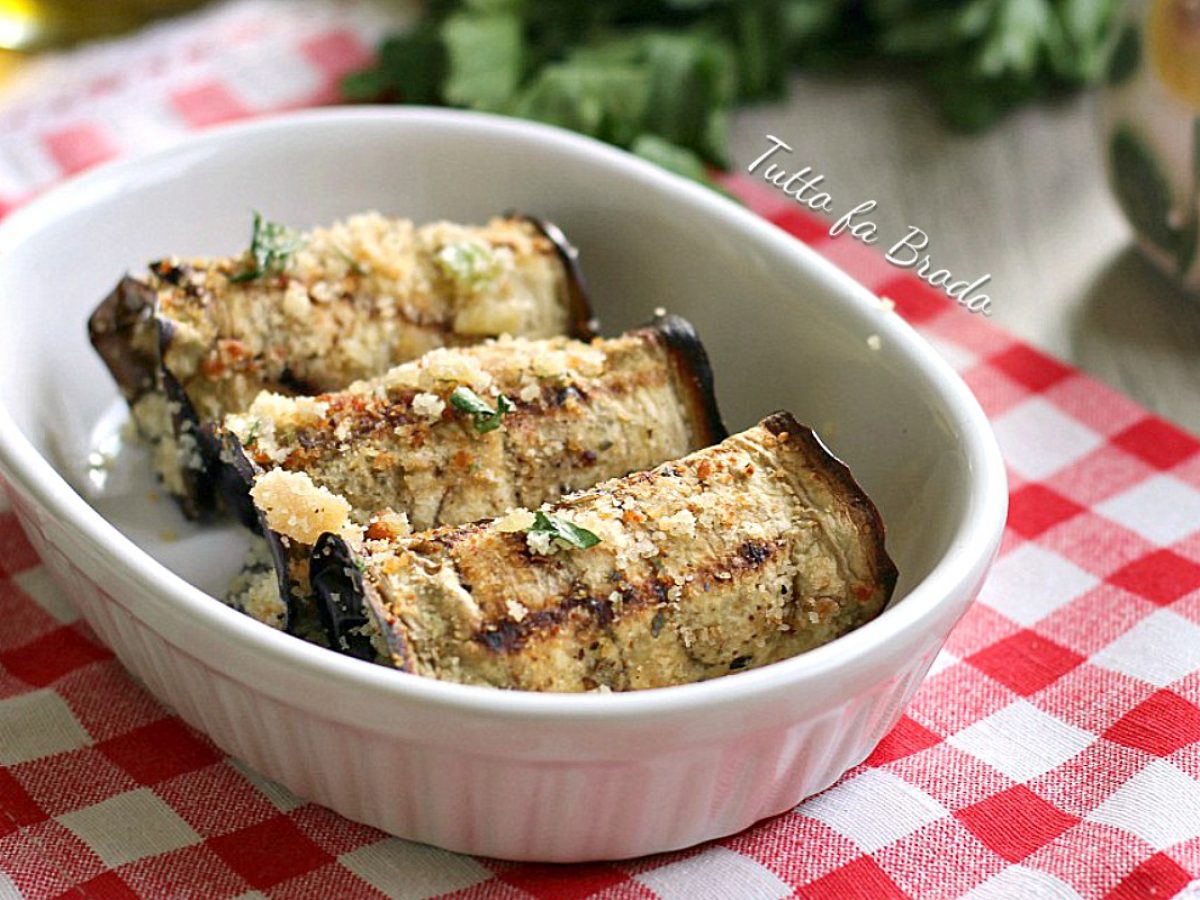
(660, 77)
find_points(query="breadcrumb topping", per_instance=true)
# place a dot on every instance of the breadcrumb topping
(299, 509)
(513, 521)
(428, 406)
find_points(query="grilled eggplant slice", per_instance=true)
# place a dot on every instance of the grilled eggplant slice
(730, 558)
(410, 450)
(188, 342)
(420, 439)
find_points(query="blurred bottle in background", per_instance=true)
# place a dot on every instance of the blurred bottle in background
(30, 25)
(1152, 131)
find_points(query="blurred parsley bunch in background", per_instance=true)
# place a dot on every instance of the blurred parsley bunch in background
(660, 77)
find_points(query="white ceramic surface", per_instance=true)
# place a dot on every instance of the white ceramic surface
(514, 775)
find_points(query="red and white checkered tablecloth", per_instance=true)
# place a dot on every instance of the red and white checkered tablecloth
(1053, 752)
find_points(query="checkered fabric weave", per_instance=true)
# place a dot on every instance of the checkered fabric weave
(1053, 752)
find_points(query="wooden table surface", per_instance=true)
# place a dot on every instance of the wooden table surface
(1026, 201)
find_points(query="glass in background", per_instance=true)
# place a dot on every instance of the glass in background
(1152, 131)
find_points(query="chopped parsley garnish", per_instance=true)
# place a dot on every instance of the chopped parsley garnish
(662, 77)
(350, 261)
(471, 264)
(486, 419)
(270, 245)
(252, 433)
(563, 530)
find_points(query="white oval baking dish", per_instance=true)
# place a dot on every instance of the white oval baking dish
(513, 775)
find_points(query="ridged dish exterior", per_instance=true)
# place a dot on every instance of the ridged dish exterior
(610, 799)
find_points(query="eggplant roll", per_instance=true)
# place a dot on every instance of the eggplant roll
(733, 557)
(573, 414)
(189, 342)
(409, 451)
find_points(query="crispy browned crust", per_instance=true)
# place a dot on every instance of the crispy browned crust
(584, 613)
(870, 522)
(632, 609)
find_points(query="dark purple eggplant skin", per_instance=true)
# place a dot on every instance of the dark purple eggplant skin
(692, 365)
(583, 321)
(279, 556)
(330, 560)
(338, 589)
(111, 328)
(234, 476)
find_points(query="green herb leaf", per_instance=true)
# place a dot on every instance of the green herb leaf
(761, 46)
(252, 433)
(675, 159)
(486, 419)
(971, 102)
(1126, 56)
(673, 69)
(562, 530)
(271, 244)
(936, 30)
(809, 23)
(692, 77)
(1013, 46)
(484, 54)
(603, 100)
(350, 261)
(1086, 25)
(411, 67)
(466, 400)
(472, 264)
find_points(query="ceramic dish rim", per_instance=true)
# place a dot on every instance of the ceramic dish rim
(971, 548)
